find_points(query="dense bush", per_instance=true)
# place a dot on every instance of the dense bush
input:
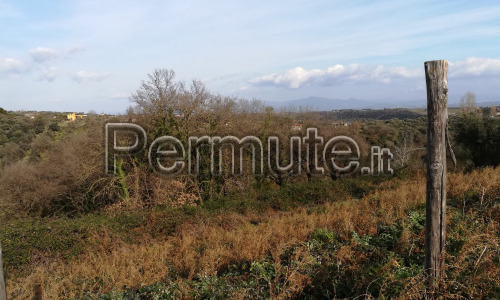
(58, 176)
(478, 136)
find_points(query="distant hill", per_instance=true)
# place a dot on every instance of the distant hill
(488, 104)
(373, 114)
(322, 104)
(326, 104)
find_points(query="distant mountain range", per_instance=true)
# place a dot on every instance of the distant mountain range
(322, 104)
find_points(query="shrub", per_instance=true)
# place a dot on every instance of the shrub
(70, 178)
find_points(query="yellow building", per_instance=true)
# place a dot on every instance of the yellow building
(73, 116)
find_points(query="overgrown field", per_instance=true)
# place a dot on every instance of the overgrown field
(314, 240)
(70, 231)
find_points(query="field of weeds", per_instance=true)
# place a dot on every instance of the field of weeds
(321, 239)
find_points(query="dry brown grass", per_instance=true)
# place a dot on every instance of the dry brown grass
(205, 246)
(478, 183)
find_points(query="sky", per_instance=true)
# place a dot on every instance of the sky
(92, 55)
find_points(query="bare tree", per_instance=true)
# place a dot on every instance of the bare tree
(157, 99)
(169, 107)
(468, 102)
(405, 148)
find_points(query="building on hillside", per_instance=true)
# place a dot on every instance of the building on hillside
(74, 116)
(296, 127)
(339, 124)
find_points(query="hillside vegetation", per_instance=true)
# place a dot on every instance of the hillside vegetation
(70, 231)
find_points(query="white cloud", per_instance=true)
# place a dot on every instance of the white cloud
(39, 66)
(75, 49)
(475, 66)
(335, 75)
(13, 66)
(292, 78)
(42, 54)
(404, 72)
(120, 96)
(85, 76)
(357, 73)
(49, 74)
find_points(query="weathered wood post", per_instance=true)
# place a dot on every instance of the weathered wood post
(3, 292)
(436, 73)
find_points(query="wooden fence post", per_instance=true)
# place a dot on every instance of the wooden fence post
(3, 292)
(436, 73)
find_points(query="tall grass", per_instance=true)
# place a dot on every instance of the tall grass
(372, 246)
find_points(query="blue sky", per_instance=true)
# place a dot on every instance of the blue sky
(91, 55)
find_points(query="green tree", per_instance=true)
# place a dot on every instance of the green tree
(479, 137)
(54, 126)
(39, 124)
